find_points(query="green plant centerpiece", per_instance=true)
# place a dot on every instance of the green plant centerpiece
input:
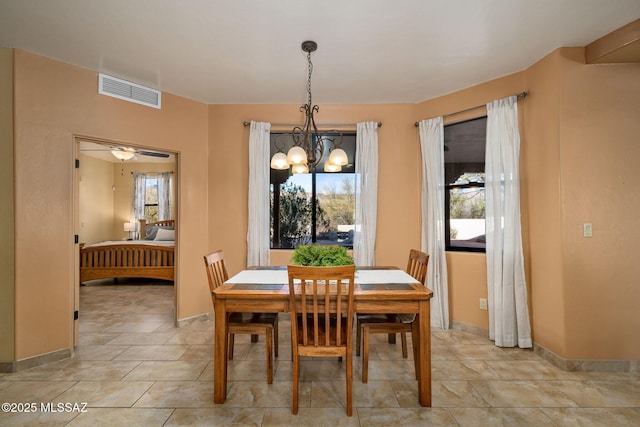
(320, 255)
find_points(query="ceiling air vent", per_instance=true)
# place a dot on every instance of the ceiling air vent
(122, 89)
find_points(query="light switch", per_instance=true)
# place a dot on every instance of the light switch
(587, 229)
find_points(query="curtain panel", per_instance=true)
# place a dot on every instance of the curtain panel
(366, 192)
(137, 202)
(433, 232)
(164, 195)
(258, 244)
(509, 324)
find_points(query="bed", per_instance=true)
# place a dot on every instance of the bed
(152, 256)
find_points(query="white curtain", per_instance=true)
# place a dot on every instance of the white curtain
(139, 193)
(258, 229)
(164, 195)
(366, 192)
(508, 311)
(433, 240)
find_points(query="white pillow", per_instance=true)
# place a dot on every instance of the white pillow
(164, 234)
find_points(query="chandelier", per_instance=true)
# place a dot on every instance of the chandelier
(308, 143)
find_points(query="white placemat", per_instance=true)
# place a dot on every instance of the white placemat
(367, 277)
(261, 277)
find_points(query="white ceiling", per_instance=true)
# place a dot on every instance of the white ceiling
(248, 51)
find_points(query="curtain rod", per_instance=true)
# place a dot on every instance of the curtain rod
(151, 173)
(321, 124)
(520, 95)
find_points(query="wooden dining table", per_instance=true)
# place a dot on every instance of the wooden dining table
(377, 290)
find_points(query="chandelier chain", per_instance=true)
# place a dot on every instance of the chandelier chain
(309, 78)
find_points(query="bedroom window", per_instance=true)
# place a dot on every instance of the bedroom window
(151, 199)
(317, 207)
(464, 154)
(152, 196)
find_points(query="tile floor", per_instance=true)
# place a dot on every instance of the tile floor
(133, 367)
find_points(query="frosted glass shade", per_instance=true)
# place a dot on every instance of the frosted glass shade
(328, 167)
(296, 156)
(279, 161)
(338, 157)
(301, 168)
(123, 155)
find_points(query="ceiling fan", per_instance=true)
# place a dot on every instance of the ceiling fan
(121, 152)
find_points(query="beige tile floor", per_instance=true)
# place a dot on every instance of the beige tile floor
(133, 367)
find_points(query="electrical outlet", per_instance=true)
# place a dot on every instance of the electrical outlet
(587, 229)
(483, 304)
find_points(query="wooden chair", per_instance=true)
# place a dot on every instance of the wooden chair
(367, 324)
(244, 323)
(321, 318)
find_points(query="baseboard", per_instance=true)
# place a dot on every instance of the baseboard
(7, 367)
(472, 329)
(32, 362)
(205, 317)
(578, 365)
(587, 365)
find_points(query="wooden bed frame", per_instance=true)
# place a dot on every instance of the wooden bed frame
(129, 260)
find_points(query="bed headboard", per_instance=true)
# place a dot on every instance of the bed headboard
(164, 223)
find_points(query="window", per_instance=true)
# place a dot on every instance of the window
(464, 153)
(317, 207)
(151, 199)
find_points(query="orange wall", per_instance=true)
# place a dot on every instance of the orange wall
(54, 101)
(398, 175)
(7, 241)
(95, 210)
(540, 152)
(599, 154)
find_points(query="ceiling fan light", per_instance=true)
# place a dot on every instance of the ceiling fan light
(338, 157)
(296, 156)
(279, 161)
(300, 168)
(123, 155)
(329, 167)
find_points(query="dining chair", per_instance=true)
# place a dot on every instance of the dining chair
(367, 324)
(244, 323)
(321, 301)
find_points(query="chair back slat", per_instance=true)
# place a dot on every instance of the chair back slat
(216, 270)
(417, 265)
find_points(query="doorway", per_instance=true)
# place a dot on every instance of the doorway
(103, 195)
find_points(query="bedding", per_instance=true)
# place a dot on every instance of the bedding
(154, 259)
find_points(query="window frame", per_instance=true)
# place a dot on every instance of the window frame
(149, 205)
(314, 190)
(478, 247)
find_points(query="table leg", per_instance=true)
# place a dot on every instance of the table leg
(423, 365)
(392, 338)
(220, 352)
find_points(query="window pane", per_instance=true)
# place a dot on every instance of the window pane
(336, 216)
(151, 213)
(151, 200)
(293, 218)
(151, 195)
(467, 225)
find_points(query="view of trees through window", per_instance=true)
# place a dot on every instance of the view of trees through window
(151, 200)
(464, 158)
(317, 207)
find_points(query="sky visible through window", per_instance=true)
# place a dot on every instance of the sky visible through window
(324, 182)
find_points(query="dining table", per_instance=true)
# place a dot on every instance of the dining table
(377, 290)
